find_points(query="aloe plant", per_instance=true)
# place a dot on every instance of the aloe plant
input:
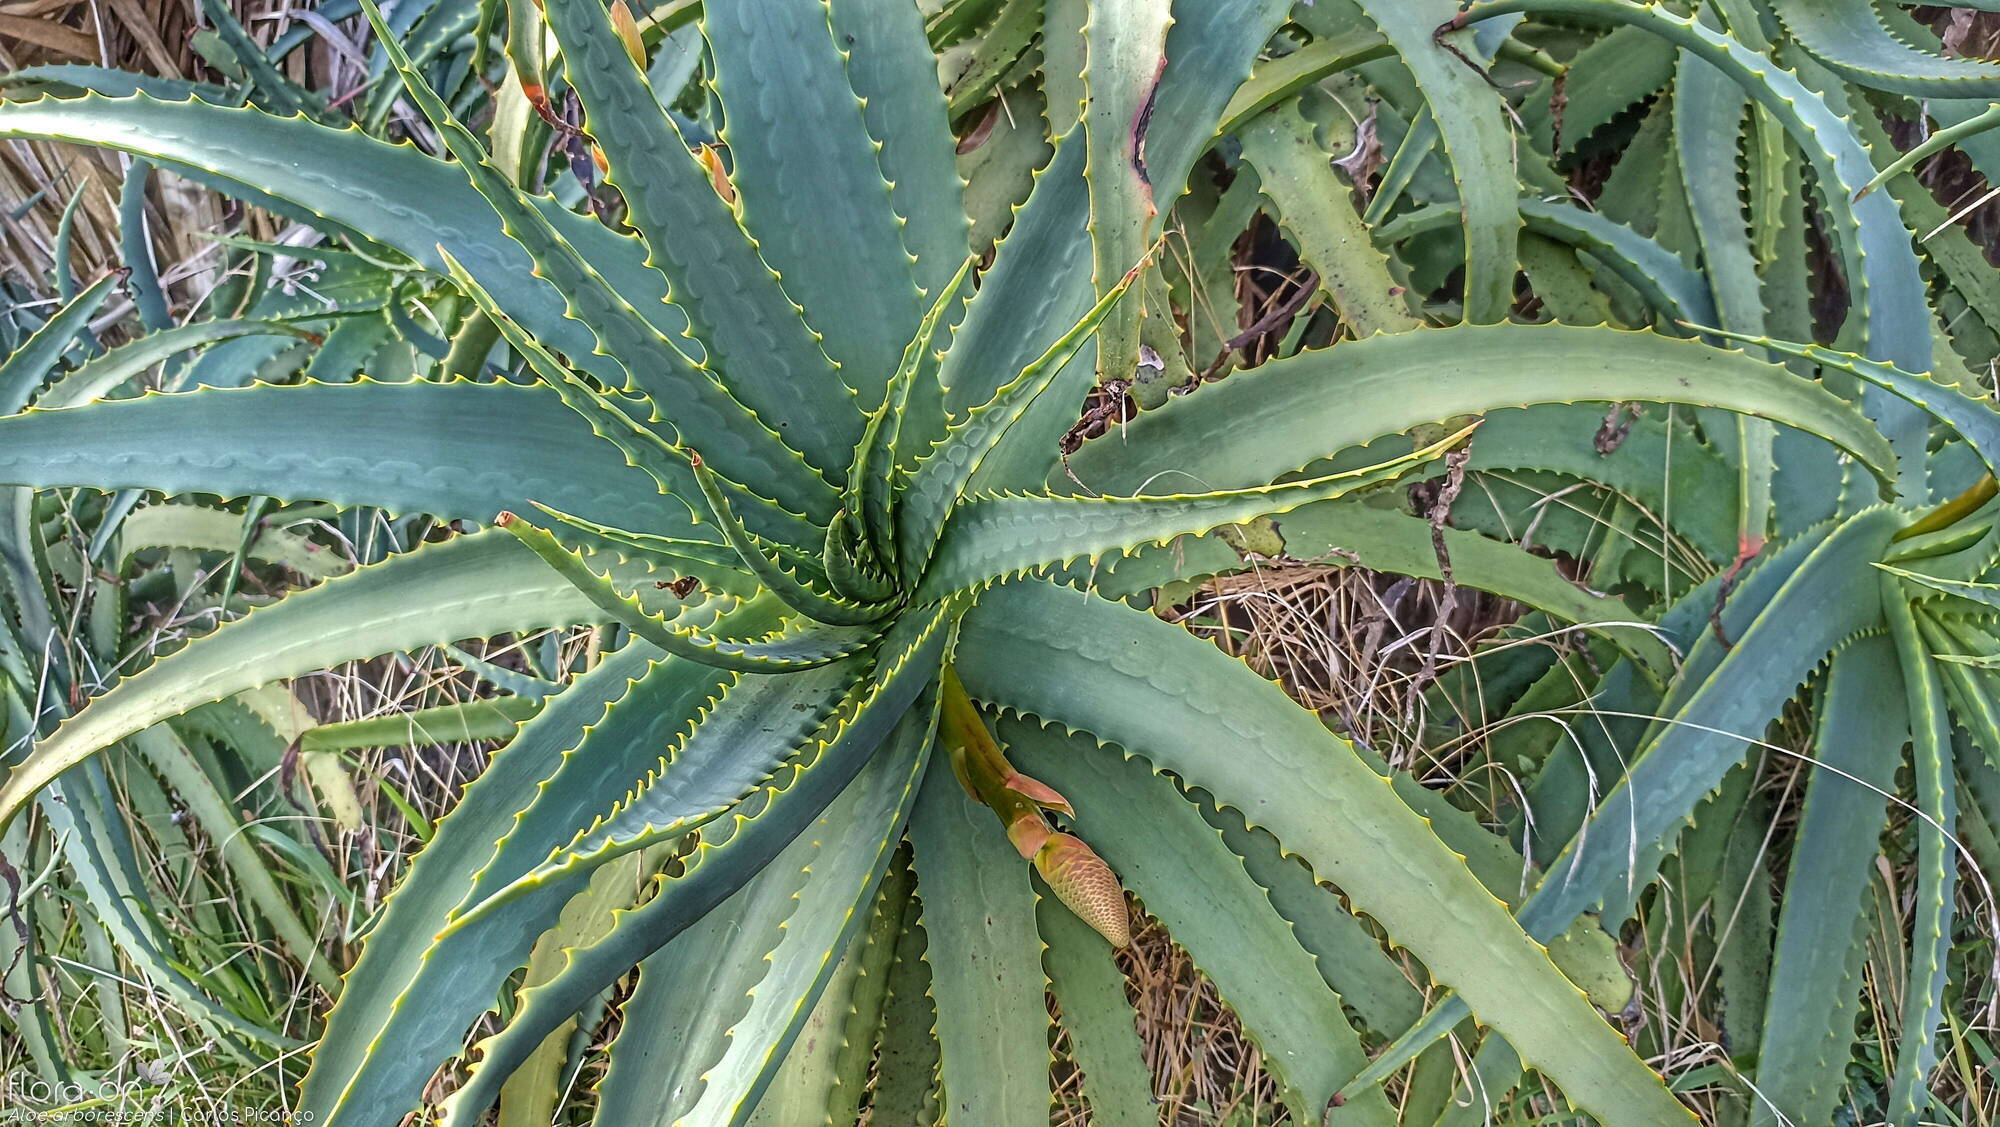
(778, 430)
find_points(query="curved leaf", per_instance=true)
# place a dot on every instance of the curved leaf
(1937, 862)
(29, 366)
(743, 443)
(1178, 867)
(345, 182)
(1890, 316)
(994, 538)
(751, 993)
(740, 315)
(812, 192)
(771, 646)
(101, 375)
(985, 958)
(1472, 124)
(474, 586)
(1090, 989)
(1394, 542)
(731, 851)
(1656, 272)
(1130, 678)
(1851, 39)
(464, 451)
(1261, 424)
(411, 996)
(1124, 56)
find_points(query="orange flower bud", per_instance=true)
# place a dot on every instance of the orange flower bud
(1084, 883)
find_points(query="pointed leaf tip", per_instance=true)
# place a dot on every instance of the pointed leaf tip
(628, 32)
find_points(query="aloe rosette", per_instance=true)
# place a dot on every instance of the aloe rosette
(888, 740)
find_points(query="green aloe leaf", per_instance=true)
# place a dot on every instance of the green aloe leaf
(842, 857)
(1969, 417)
(1090, 990)
(1321, 800)
(1124, 57)
(1937, 862)
(939, 478)
(471, 587)
(101, 375)
(1658, 274)
(1852, 40)
(1350, 959)
(813, 192)
(738, 312)
(991, 538)
(770, 644)
(1276, 80)
(215, 530)
(27, 367)
(1318, 211)
(906, 1081)
(985, 959)
(894, 73)
(1390, 541)
(1890, 316)
(1039, 277)
(730, 853)
(746, 735)
(495, 719)
(1183, 875)
(1201, 439)
(1815, 990)
(345, 182)
(742, 443)
(454, 450)
(381, 1046)
(1472, 124)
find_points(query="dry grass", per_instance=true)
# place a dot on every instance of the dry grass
(39, 179)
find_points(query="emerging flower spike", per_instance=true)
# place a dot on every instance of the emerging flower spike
(1083, 882)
